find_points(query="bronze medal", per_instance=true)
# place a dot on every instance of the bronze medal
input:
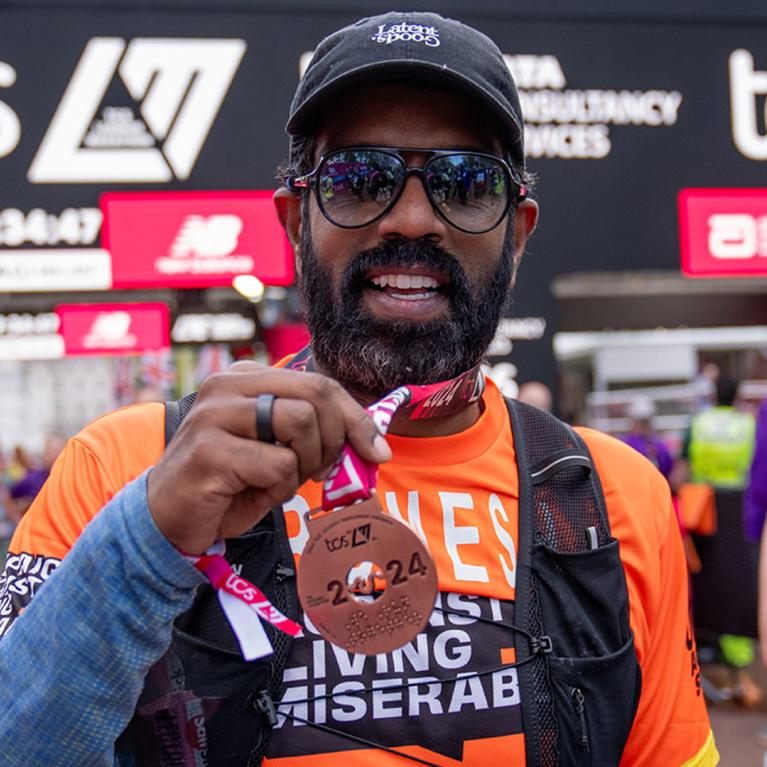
(366, 581)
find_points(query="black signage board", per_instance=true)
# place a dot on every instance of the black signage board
(622, 114)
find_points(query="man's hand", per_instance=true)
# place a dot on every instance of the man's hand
(216, 480)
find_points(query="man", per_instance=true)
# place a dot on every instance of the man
(404, 282)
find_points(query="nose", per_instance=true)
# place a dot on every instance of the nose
(413, 217)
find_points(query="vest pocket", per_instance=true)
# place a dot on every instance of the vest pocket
(582, 599)
(595, 700)
(594, 675)
(198, 703)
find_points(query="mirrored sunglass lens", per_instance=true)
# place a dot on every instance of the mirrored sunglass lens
(355, 186)
(470, 190)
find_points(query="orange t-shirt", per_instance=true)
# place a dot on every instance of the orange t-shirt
(460, 494)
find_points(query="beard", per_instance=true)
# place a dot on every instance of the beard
(372, 355)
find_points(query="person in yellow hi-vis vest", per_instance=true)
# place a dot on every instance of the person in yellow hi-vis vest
(721, 441)
(718, 449)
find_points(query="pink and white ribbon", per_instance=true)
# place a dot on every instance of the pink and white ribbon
(244, 604)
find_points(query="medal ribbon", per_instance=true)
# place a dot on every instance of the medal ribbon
(351, 479)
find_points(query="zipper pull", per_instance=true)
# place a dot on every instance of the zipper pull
(580, 709)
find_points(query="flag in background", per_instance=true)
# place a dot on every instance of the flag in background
(156, 369)
(213, 358)
(124, 389)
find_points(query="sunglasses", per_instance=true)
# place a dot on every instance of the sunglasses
(356, 186)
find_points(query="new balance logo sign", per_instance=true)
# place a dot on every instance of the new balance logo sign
(206, 245)
(404, 32)
(207, 237)
(179, 85)
(110, 330)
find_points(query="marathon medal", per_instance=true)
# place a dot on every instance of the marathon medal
(366, 580)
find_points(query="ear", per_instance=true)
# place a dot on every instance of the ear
(288, 206)
(524, 222)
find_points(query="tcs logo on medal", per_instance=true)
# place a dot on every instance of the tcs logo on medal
(359, 537)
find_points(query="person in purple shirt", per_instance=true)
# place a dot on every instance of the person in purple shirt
(24, 491)
(644, 440)
(29, 485)
(754, 513)
(755, 498)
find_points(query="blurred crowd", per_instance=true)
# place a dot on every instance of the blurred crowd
(22, 475)
(717, 473)
(23, 472)
(718, 479)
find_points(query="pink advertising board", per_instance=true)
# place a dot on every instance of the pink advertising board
(194, 239)
(113, 328)
(723, 232)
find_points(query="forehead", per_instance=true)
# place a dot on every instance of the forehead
(402, 115)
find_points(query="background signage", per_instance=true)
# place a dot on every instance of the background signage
(113, 328)
(623, 112)
(28, 336)
(32, 270)
(204, 328)
(723, 232)
(194, 239)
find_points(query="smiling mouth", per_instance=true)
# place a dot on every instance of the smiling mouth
(406, 286)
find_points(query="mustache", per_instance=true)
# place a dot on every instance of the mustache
(397, 253)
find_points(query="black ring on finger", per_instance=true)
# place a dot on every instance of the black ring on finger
(264, 409)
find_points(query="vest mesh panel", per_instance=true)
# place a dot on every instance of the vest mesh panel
(564, 505)
(185, 405)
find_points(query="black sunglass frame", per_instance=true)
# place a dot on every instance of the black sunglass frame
(517, 190)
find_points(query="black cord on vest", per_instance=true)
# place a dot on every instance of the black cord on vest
(538, 645)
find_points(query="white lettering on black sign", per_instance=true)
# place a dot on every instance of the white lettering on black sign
(10, 127)
(575, 123)
(746, 84)
(179, 83)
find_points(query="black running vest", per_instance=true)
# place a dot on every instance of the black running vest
(579, 678)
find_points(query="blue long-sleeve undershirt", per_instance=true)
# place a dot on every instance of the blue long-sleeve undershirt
(73, 664)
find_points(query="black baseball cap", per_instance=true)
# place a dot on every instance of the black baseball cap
(410, 46)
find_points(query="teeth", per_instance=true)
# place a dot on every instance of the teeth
(411, 296)
(405, 281)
